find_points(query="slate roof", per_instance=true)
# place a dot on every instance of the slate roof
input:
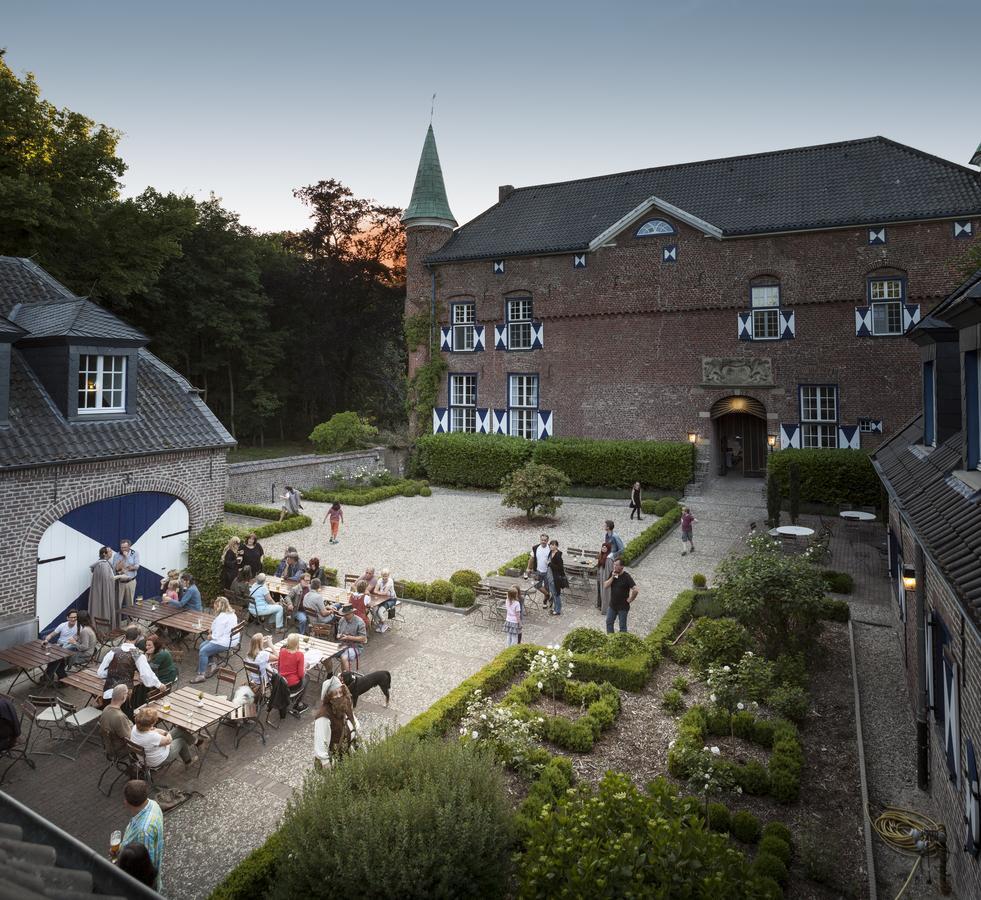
(869, 181)
(945, 514)
(970, 288)
(9, 330)
(170, 415)
(73, 318)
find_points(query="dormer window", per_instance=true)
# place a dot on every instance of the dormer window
(655, 226)
(101, 383)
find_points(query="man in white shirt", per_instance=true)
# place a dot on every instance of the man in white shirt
(67, 632)
(538, 562)
(119, 665)
(126, 563)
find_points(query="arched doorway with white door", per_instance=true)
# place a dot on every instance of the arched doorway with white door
(740, 436)
(156, 523)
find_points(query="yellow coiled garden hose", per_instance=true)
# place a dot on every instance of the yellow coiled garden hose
(911, 834)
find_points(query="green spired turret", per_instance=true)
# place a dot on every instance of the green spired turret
(429, 205)
(975, 160)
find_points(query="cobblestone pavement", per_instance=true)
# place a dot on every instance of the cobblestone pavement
(428, 654)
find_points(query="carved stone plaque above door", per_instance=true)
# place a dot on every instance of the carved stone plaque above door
(737, 371)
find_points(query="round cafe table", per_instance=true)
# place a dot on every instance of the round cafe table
(792, 531)
(857, 516)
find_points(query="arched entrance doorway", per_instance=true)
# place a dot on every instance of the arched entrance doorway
(740, 436)
(156, 523)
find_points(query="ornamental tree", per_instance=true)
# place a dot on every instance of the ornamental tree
(533, 488)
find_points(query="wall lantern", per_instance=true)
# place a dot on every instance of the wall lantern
(771, 440)
(909, 578)
(692, 437)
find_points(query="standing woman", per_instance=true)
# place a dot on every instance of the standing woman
(635, 500)
(557, 580)
(512, 619)
(336, 515)
(231, 562)
(102, 593)
(252, 554)
(604, 569)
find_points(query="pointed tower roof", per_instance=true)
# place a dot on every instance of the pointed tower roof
(429, 205)
(975, 160)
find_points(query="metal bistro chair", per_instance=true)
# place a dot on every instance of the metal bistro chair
(105, 634)
(235, 647)
(45, 712)
(78, 723)
(260, 687)
(142, 769)
(118, 757)
(18, 749)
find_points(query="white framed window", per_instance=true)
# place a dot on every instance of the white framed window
(765, 300)
(101, 383)
(523, 406)
(886, 297)
(655, 226)
(463, 403)
(519, 317)
(866, 426)
(819, 416)
(464, 316)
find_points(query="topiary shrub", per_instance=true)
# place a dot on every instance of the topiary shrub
(753, 778)
(778, 830)
(789, 701)
(791, 668)
(698, 581)
(342, 431)
(680, 683)
(779, 848)
(439, 591)
(425, 491)
(622, 645)
(584, 640)
(838, 582)
(718, 817)
(716, 642)
(835, 610)
(463, 597)
(533, 488)
(647, 507)
(745, 827)
(664, 505)
(663, 465)
(672, 701)
(442, 806)
(412, 590)
(770, 866)
(828, 477)
(411, 489)
(465, 578)
(471, 460)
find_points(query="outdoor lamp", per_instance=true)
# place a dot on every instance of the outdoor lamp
(692, 437)
(771, 440)
(909, 578)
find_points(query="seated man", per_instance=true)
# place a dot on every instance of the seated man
(122, 664)
(292, 567)
(352, 635)
(114, 723)
(261, 603)
(369, 579)
(294, 601)
(316, 608)
(160, 746)
(382, 600)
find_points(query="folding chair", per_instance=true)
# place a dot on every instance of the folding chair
(260, 687)
(227, 678)
(246, 719)
(118, 757)
(78, 723)
(235, 647)
(105, 634)
(17, 751)
(142, 769)
(45, 713)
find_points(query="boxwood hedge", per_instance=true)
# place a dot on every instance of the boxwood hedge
(828, 477)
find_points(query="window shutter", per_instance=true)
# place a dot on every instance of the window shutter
(848, 437)
(501, 337)
(483, 421)
(544, 424)
(537, 335)
(446, 338)
(478, 337)
(928, 660)
(900, 590)
(788, 326)
(972, 803)
(911, 315)
(951, 720)
(789, 437)
(441, 420)
(745, 327)
(499, 420)
(863, 321)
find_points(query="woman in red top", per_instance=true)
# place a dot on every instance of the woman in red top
(292, 666)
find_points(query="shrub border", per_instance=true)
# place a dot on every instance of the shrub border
(405, 487)
(290, 523)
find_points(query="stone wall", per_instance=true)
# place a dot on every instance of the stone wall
(32, 499)
(264, 481)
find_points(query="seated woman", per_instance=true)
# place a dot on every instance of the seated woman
(335, 729)
(160, 658)
(219, 640)
(292, 667)
(383, 600)
(161, 747)
(314, 569)
(261, 603)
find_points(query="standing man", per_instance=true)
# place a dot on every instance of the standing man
(623, 592)
(146, 826)
(538, 563)
(635, 501)
(614, 540)
(126, 563)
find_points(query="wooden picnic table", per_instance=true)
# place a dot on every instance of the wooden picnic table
(27, 657)
(87, 681)
(149, 612)
(279, 586)
(195, 716)
(190, 621)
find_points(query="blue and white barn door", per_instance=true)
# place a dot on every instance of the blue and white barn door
(157, 523)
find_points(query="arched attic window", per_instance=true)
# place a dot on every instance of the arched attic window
(654, 227)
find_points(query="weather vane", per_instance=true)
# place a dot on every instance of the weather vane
(432, 110)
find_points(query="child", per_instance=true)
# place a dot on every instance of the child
(171, 594)
(687, 521)
(512, 620)
(336, 516)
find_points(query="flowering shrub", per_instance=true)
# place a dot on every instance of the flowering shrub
(716, 642)
(504, 728)
(755, 676)
(550, 668)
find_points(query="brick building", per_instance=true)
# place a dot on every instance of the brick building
(99, 441)
(740, 299)
(932, 472)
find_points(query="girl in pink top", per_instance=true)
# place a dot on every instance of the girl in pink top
(336, 515)
(512, 618)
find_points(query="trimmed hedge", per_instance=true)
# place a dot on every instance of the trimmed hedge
(290, 523)
(650, 536)
(483, 460)
(368, 495)
(838, 582)
(252, 509)
(828, 477)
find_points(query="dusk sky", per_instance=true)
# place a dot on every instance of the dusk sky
(251, 100)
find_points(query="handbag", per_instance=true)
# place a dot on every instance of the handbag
(561, 582)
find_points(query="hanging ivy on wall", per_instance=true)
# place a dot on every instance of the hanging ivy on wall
(423, 392)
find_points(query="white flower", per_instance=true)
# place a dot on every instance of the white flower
(540, 685)
(726, 669)
(463, 730)
(712, 697)
(740, 706)
(716, 751)
(749, 653)
(670, 743)
(484, 716)
(756, 705)
(474, 735)
(705, 748)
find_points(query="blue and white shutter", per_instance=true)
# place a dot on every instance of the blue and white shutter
(537, 335)
(446, 337)
(501, 337)
(498, 266)
(863, 321)
(900, 588)
(911, 315)
(930, 637)
(579, 261)
(441, 420)
(964, 230)
(877, 235)
(952, 742)
(499, 421)
(478, 337)
(544, 424)
(483, 421)
(788, 324)
(972, 803)
(848, 437)
(745, 326)
(789, 437)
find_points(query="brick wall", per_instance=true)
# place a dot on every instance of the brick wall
(32, 499)
(624, 337)
(263, 481)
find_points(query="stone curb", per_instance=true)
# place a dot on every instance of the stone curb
(863, 775)
(443, 607)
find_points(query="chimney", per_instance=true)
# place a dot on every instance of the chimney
(504, 191)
